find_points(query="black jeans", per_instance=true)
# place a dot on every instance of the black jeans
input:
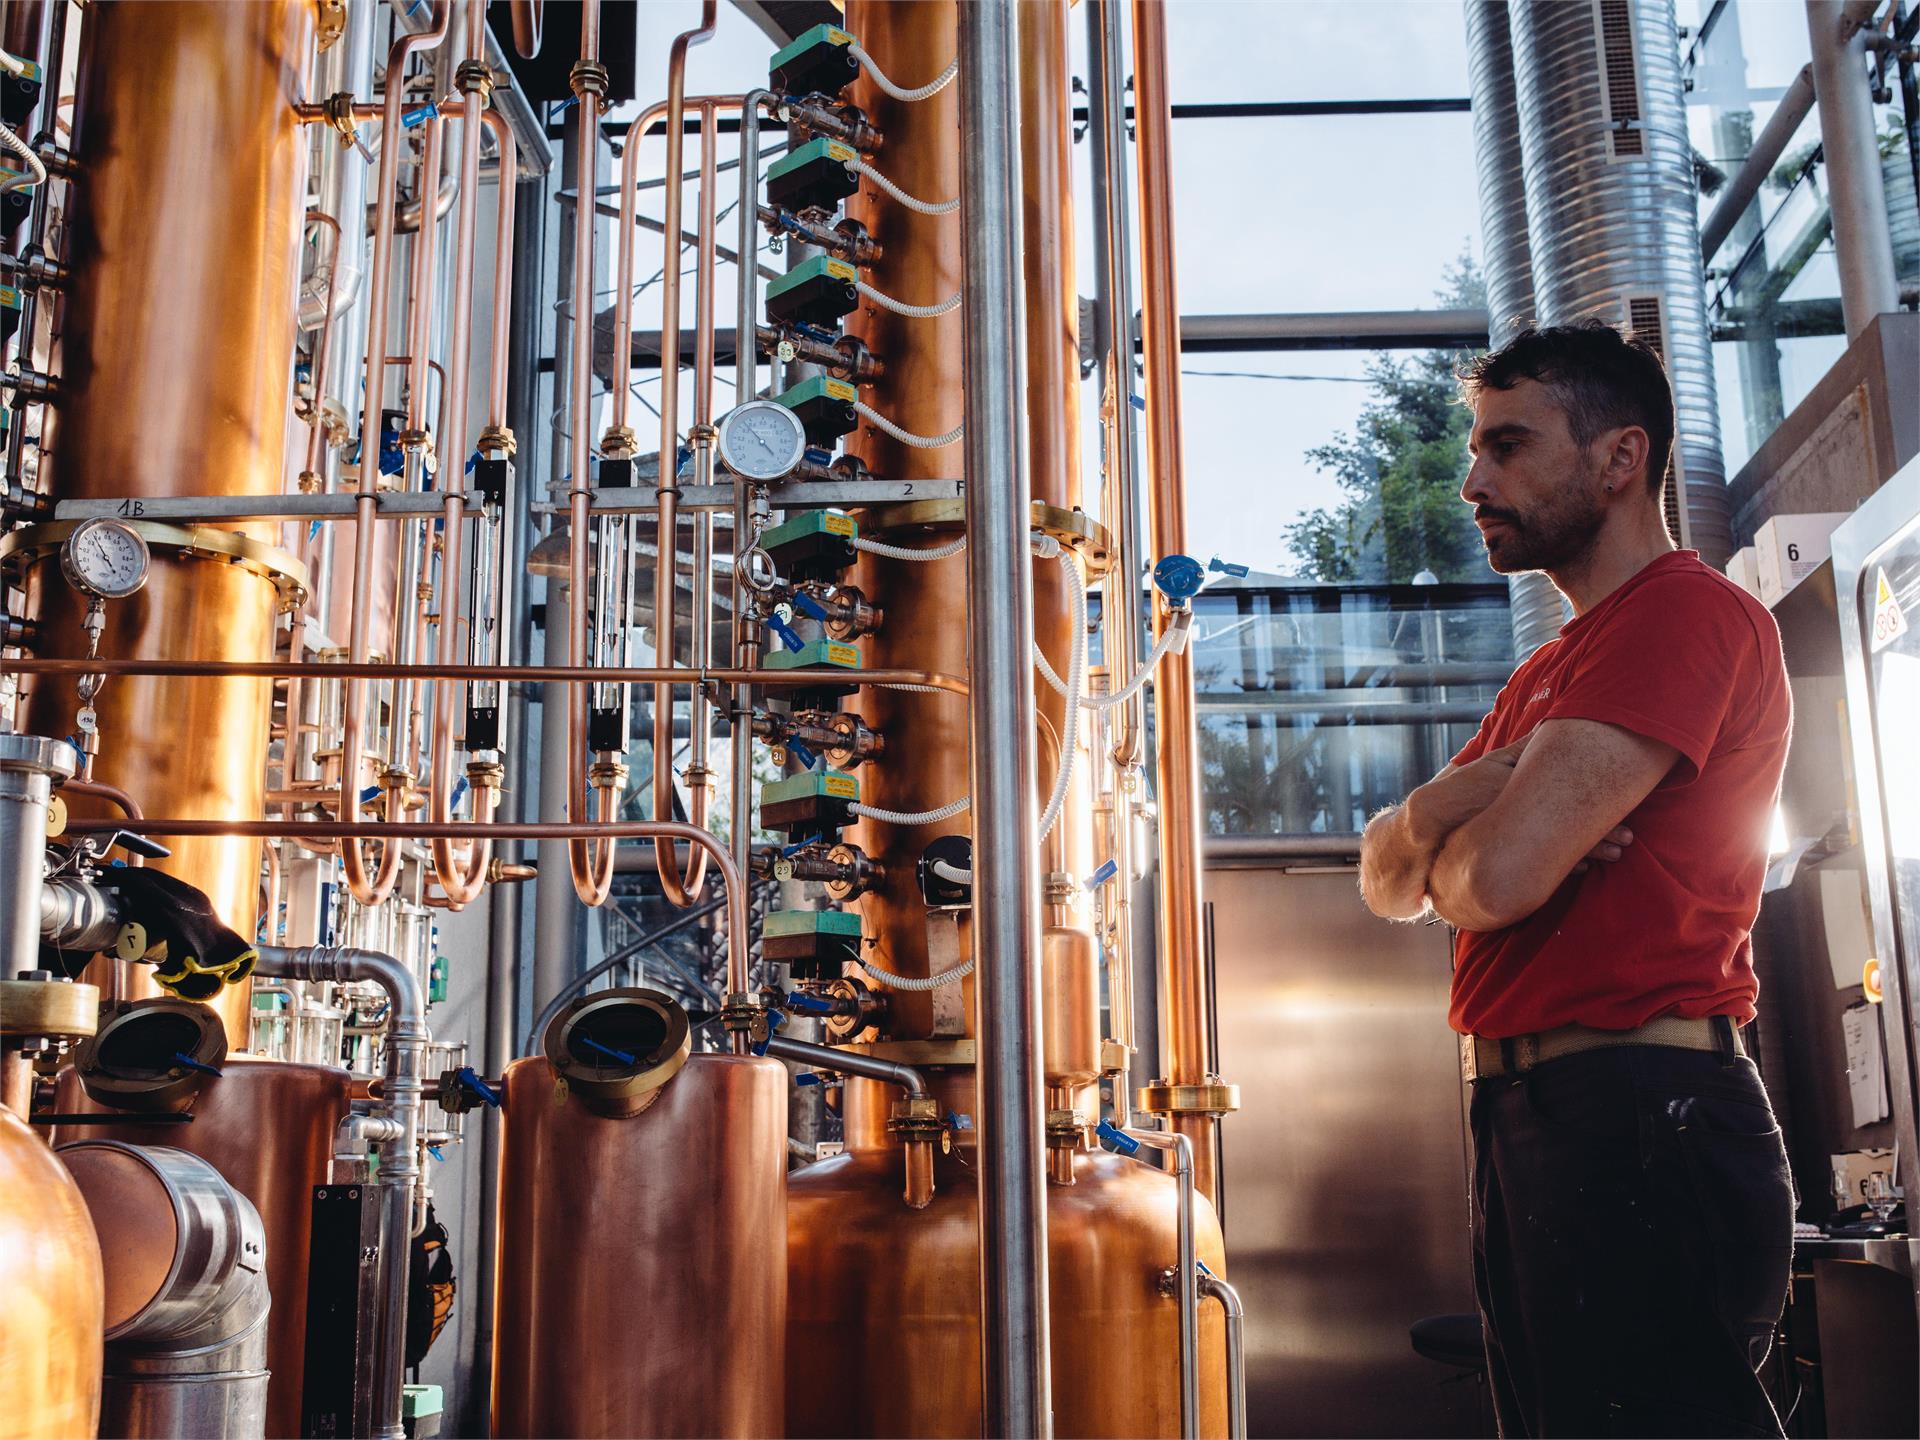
(1632, 1240)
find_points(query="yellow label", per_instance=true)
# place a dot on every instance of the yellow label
(838, 525)
(843, 153)
(839, 37)
(9, 297)
(841, 787)
(841, 390)
(841, 270)
(838, 654)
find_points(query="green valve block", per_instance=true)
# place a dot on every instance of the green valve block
(818, 63)
(817, 655)
(817, 802)
(813, 944)
(825, 408)
(818, 292)
(814, 545)
(816, 176)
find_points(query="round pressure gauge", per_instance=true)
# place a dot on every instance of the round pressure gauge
(105, 558)
(762, 440)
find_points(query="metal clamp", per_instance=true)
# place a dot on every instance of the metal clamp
(1163, 1097)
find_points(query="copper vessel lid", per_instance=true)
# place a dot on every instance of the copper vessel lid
(616, 1048)
(151, 1055)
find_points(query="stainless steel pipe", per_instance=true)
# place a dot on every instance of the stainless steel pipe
(847, 1062)
(402, 1092)
(1186, 1272)
(1212, 1287)
(1016, 1388)
(29, 764)
(1862, 241)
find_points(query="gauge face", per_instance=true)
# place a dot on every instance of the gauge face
(762, 440)
(106, 558)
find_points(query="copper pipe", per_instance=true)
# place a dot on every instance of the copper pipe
(322, 348)
(1184, 1018)
(686, 891)
(271, 920)
(561, 674)
(420, 291)
(365, 888)
(738, 956)
(590, 863)
(112, 794)
(526, 27)
(462, 883)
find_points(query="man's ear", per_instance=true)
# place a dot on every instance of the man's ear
(1623, 455)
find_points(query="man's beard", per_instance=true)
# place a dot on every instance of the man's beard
(1552, 537)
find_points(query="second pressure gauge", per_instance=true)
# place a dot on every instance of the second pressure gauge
(105, 558)
(762, 440)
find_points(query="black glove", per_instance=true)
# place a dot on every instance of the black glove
(169, 922)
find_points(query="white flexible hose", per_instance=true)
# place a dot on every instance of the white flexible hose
(1174, 637)
(898, 92)
(907, 437)
(1076, 682)
(37, 173)
(909, 817)
(946, 870)
(909, 552)
(925, 207)
(900, 307)
(917, 983)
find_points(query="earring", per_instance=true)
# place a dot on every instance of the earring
(1609, 489)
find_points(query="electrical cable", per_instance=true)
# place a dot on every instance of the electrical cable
(14, 65)
(907, 437)
(1174, 637)
(37, 173)
(909, 552)
(915, 983)
(924, 207)
(899, 92)
(900, 307)
(911, 817)
(1076, 681)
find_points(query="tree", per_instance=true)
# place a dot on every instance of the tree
(1401, 470)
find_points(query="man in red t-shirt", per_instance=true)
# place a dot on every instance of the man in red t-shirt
(1599, 847)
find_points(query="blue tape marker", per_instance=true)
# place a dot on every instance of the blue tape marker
(592, 1044)
(193, 1064)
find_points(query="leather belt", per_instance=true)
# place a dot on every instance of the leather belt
(1485, 1059)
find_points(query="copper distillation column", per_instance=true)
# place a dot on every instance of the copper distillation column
(184, 245)
(884, 1329)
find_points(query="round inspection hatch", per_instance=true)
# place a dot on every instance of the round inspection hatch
(616, 1048)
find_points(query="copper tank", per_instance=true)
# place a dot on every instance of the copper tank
(173, 379)
(642, 1259)
(267, 1126)
(51, 1320)
(883, 1309)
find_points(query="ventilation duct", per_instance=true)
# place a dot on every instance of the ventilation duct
(1538, 610)
(1611, 211)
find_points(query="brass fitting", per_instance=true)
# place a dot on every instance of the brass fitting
(589, 77)
(1059, 888)
(329, 24)
(619, 443)
(1163, 1097)
(416, 440)
(500, 870)
(1065, 1129)
(607, 775)
(339, 112)
(1113, 1057)
(699, 777)
(498, 440)
(741, 1012)
(475, 78)
(486, 774)
(916, 1115)
(310, 483)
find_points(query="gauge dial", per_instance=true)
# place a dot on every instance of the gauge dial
(762, 440)
(105, 558)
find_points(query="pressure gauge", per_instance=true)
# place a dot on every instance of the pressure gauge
(762, 440)
(105, 558)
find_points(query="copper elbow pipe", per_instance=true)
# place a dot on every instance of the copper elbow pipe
(526, 27)
(462, 883)
(369, 889)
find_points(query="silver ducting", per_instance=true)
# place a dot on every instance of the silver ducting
(1536, 608)
(186, 1320)
(1612, 213)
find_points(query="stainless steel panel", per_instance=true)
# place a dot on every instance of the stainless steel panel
(1346, 1170)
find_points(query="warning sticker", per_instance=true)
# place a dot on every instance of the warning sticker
(1889, 622)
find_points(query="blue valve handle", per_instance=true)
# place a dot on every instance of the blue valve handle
(811, 1004)
(434, 1150)
(1105, 873)
(193, 1064)
(775, 1019)
(592, 1044)
(419, 115)
(460, 787)
(809, 1077)
(785, 632)
(1117, 1138)
(957, 1121)
(801, 753)
(807, 605)
(1217, 566)
(370, 794)
(468, 1077)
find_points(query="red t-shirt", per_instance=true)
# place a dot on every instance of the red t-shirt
(1681, 654)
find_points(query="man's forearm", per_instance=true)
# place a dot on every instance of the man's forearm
(1396, 855)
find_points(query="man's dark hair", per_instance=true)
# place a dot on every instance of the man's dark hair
(1601, 379)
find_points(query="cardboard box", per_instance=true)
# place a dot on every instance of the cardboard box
(1788, 549)
(1743, 570)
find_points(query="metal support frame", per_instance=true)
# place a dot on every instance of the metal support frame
(1016, 1383)
(1856, 193)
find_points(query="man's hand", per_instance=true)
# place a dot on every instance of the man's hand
(1611, 847)
(1398, 850)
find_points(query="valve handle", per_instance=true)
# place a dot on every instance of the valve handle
(592, 1044)
(1217, 566)
(1105, 873)
(807, 605)
(1117, 1138)
(785, 632)
(187, 1060)
(468, 1077)
(801, 753)
(809, 1077)
(775, 1019)
(810, 1004)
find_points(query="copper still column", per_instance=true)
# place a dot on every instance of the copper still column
(173, 379)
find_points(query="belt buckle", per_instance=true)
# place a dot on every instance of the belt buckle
(1467, 1059)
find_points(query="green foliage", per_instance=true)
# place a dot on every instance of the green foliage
(1400, 469)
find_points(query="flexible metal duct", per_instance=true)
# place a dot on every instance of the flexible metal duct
(1611, 211)
(1536, 608)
